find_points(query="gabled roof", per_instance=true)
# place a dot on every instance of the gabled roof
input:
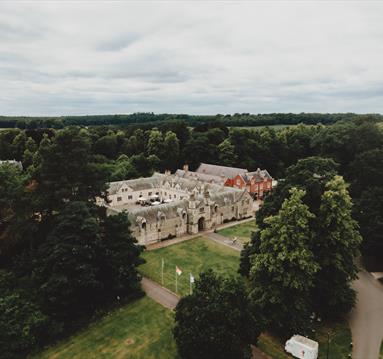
(200, 176)
(221, 171)
(259, 175)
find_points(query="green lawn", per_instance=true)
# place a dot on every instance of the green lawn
(141, 329)
(381, 351)
(241, 231)
(272, 347)
(192, 256)
(340, 339)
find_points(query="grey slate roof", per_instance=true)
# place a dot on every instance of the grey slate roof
(201, 176)
(220, 171)
(218, 194)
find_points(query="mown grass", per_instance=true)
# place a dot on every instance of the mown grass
(241, 231)
(381, 351)
(272, 346)
(192, 256)
(141, 329)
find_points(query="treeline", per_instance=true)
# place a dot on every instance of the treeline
(238, 120)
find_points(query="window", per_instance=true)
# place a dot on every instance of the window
(232, 209)
(143, 225)
(149, 193)
(130, 197)
(119, 199)
(215, 208)
(201, 209)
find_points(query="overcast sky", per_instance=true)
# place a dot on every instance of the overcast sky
(61, 58)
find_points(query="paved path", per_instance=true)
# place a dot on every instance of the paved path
(216, 237)
(160, 294)
(366, 319)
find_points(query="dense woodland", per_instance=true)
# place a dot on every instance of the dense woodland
(63, 262)
(238, 119)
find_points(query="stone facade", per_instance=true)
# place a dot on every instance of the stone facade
(186, 206)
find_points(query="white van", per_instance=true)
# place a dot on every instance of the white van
(302, 347)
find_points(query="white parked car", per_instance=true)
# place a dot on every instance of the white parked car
(302, 347)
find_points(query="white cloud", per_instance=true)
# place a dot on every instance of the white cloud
(190, 57)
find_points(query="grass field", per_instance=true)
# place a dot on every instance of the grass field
(241, 231)
(340, 339)
(141, 329)
(381, 351)
(192, 256)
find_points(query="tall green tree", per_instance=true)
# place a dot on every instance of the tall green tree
(171, 151)
(155, 143)
(227, 155)
(336, 247)
(216, 321)
(85, 262)
(65, 170)
(283, 270)
(17, 220)
(368, 211)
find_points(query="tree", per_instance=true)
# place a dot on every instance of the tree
(216, 321)
(86, 261)
(107, 146)
(18, 145)
(120, 257)
(66, 265)
(368, 212)
(366, 169)
(155, 143)
(22, 324)
(336, 247)
(283, 269)
(65, 170)
(227, 155)
(171, 159)
(310, 174)
(17, 222)
(29, 152)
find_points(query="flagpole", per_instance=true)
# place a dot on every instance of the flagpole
(162, 271)
(190, 283)
(176, 279)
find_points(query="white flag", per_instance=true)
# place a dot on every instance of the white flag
(178, 271)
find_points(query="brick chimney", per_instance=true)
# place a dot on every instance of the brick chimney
(186, 167)
(167, 173)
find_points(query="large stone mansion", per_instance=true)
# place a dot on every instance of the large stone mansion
(165, 206)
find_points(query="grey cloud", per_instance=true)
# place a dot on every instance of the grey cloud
(204, 58)
(117, 43)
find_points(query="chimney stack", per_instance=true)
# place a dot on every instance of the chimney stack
(186, 167)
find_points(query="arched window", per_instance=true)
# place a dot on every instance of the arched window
(143, 225)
